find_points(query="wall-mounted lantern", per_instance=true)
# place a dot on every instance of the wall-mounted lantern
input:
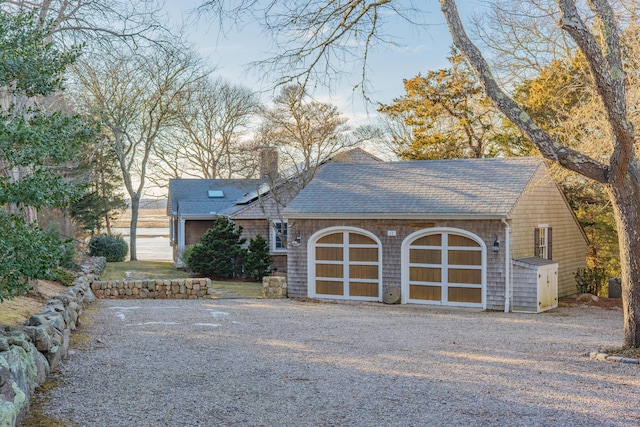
(496, 245)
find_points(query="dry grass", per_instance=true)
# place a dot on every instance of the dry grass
(141, 270)
(228, 289)
(633, 353)
(17, 310)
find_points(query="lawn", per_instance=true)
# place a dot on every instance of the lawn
(142, 270)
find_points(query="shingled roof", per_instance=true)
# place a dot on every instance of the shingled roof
(190, 197)
(435, 188)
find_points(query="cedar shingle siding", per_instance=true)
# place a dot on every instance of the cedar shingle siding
(479, 196)
(487, 230)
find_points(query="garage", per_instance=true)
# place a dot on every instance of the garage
(443, 267)
(345, 264)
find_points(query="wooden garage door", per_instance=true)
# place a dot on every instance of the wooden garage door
(445, 268)
(347, 266)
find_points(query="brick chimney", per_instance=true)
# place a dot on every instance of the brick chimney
(269, 162)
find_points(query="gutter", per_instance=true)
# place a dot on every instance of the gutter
(507, 267)
(395, 215)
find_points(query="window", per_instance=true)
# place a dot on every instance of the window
(279, 236)
(542, 242)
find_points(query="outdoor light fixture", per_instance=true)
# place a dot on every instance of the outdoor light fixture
(296, 241)
(496, 245)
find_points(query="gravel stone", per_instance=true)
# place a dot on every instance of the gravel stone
(292, 363)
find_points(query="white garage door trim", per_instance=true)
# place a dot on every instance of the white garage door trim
(311, 263)
(405, 260)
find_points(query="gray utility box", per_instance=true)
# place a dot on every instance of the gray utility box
(535, 285)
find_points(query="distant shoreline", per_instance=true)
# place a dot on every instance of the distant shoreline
(147, 218)
(145, 232)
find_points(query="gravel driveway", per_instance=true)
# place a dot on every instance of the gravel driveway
(292, 363)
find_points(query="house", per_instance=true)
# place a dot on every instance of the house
(464, 232)
(194, 204)
(254, 204)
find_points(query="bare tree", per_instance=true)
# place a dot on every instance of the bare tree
(83, 21)
(620, 175)
(321, 36)
(210, 136)
(522, 37)
(305, 134)
(71, 23)
(330, 24)
(134, 96)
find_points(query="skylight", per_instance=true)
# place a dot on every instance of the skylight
(216, 194)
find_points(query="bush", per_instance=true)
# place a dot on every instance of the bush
(67, 248)
(29, 253)
(186, 255)
(113, 248)
(68, 255)
(590, 280)
(218, 253)
(62, 276)
(258, 259)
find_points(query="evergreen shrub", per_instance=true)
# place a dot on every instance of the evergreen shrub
(258, 259)
(113, 248)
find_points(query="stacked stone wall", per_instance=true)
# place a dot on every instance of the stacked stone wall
(274, 287)
(154, 289)
(30, 352)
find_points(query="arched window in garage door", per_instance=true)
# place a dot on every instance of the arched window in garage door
(444, 267)
(345, 263)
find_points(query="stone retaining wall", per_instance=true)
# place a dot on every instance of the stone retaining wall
(274, 287)
(158, 289)
(30, 352)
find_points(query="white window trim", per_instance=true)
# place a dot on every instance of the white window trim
(543, 232)
(274, 236)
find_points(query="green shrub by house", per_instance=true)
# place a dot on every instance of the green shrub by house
(218, 254)
(113, 248)
(258, 258)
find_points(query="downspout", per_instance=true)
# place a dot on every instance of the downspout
(507, 266)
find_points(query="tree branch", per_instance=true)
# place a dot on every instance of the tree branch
(608, 74)
(550, 149)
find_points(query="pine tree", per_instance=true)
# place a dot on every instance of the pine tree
(258, 259)
(218, 254)
(35, 146)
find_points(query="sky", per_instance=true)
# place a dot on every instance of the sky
(420, 51)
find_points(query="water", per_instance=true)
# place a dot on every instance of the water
(152, 243)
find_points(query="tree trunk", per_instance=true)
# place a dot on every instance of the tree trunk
(625, 198)
(135, 207)
(621, 176)
(107, 223)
